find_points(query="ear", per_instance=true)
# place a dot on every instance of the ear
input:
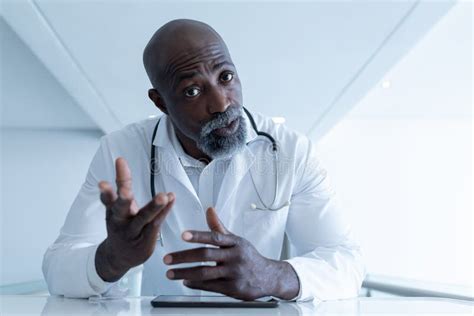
(156, 97)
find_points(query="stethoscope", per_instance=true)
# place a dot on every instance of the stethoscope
(274, 149)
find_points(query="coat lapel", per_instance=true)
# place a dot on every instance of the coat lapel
(238, 168)
(167, 164)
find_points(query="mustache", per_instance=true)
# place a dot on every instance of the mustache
(222, 120)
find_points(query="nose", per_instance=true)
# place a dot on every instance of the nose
(218, 101)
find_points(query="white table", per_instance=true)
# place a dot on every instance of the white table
(50, 305)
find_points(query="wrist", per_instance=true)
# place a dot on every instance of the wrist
(107, 265)
(286, 284)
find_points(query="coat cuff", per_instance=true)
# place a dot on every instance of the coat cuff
(304, 293)
(95, 281)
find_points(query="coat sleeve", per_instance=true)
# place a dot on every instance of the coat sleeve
(325, 256)
(69, 264)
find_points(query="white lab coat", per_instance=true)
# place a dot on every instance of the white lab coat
(323, 253)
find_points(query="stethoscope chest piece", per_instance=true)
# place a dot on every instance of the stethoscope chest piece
(254, 206)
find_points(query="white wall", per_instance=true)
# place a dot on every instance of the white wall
(47, 143)
(402, 160)
(42, 173)
(408, 187)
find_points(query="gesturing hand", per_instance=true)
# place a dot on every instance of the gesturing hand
(240, 270)
(131, 232)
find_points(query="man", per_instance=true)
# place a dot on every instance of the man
(235, 186)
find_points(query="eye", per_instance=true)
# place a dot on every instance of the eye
(227, 76)
(192, 92)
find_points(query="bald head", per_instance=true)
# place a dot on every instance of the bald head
(177, 42)
(196, 85)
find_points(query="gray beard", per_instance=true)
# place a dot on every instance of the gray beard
(216, 146)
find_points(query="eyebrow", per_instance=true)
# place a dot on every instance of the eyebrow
(191, 74)
(186, 75)
(222, 64)
(183, 76)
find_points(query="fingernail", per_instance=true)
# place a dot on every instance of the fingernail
(160, 199)
(170, 274)
(101, 187)
(168, 259)
(187, 236)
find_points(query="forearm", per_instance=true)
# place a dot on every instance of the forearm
(284, 280)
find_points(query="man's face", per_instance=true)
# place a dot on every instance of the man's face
(204, 99)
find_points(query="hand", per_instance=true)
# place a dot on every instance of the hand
(240, 271)
(131, 232)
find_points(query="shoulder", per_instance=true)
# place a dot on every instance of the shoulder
(133, 135)
(288, 139)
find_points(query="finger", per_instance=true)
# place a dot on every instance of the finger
(203, 254)
(211, 238)
(107, 194)
(148, 213)
(134, 208)
(122, 206)
(218, 286)
(160, 217)
(123, 179)
(214, 222)
(152, 228)
(201, 273)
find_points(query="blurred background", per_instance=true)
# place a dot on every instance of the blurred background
(384, 87)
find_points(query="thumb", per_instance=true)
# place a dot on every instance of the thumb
(214, 222)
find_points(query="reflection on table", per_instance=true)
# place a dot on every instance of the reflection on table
(53, 305)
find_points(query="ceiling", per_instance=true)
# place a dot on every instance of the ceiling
(309, 62)
(30, 96)
(433, 82)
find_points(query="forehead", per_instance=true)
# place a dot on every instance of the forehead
(190, 56)
(193, 60)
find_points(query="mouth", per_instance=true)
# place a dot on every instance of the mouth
(228, 130)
